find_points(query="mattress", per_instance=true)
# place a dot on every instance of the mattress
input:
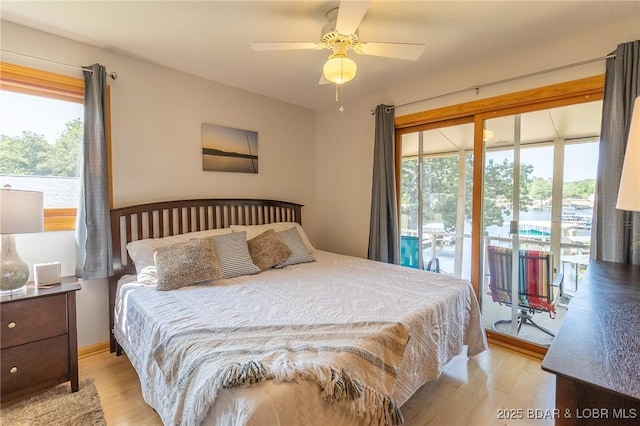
(441, 313)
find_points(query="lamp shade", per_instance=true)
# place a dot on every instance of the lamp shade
(339, 69)
(20, 211)
(629, 192)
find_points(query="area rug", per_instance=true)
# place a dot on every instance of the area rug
(57, 406)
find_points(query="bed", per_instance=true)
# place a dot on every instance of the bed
(307, 337)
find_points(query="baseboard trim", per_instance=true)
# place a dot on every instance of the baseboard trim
(93, 349)
(524, 348)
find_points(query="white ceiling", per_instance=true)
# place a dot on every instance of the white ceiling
(211, 39)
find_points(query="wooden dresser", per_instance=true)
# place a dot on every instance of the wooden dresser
(38, 340)
(596, 353)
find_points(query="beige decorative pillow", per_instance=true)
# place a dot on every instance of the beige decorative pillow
(188, 263)
(267, 250)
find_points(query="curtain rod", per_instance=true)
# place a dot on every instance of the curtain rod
(477, 87)
(112, 75)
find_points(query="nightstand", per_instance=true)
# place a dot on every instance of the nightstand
(38, 339)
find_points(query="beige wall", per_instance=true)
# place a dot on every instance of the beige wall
(344, 140)
(156, 121)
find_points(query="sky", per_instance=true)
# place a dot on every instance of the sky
(229, 139)
(44, 116)
(581, 160)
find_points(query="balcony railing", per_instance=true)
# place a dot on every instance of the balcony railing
(574, 257)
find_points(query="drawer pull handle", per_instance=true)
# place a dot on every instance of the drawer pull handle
(11, 324)
(14, 369)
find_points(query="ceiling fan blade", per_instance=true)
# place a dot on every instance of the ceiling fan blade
(350, 13)
(266, 45)
(323, 80)
(408, 51)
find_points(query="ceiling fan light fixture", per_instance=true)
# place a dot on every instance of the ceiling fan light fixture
(487, 135)
(339, 68)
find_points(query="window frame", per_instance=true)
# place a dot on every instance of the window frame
(31, 81)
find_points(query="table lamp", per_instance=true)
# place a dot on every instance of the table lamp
(20, 212)
(629, 192)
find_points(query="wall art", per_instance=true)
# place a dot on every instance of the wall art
(225, 149)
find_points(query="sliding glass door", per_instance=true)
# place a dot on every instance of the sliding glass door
(538, 184)
(436, 190)
(513, 176)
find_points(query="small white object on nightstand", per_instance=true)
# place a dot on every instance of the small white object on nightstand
(45, 274)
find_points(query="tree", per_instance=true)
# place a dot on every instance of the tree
(409, 190)
(31, 154)
(581, 189)
(441, 190)
(498, 191)
(21, 155)
(440, 181)
(62, 158)
(444, 178)
(541, 189)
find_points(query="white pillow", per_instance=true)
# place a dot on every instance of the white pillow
(142, 251)
(255, 230)
(148, 276)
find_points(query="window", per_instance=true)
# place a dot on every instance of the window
(40, 138)
(457, 169)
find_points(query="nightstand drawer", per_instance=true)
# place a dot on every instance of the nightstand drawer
(34, 319)
(39, 363)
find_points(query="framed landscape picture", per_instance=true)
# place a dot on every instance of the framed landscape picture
(225, 149)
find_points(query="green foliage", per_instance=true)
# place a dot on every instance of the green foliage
(581, 189)
(409, 185)
(31, 154)
(444, 177)
(441, 177)
(498, 191)
(23, 154)
(541, 189)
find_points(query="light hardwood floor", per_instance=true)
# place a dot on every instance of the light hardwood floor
(469, 392)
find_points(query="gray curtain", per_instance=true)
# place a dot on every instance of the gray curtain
(93, 231)
(614, 231)
(383, 229)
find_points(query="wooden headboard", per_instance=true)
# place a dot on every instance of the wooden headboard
(167, 218)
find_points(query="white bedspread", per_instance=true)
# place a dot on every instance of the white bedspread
(440, 312)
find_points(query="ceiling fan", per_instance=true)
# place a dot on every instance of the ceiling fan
(340, 35)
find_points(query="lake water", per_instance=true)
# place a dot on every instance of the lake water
(446, 252)
(229, 164)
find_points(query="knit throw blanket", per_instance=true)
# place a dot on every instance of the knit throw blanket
(355, 365)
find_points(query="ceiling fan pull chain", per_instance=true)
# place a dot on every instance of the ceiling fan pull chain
(339, 96)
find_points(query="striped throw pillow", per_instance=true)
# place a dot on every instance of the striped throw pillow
(299, 253)
(233, 255)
